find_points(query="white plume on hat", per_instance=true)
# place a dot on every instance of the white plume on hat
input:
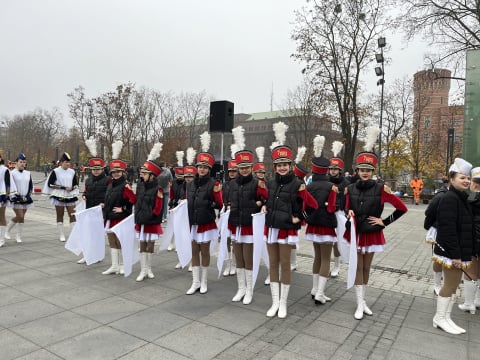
(260, 153)
(191, 152)
(179, 155)
(337, 147)
(371, 139)
(318, 143)
(300, 154)
(117, 149)
(91, 144)
(280, 130)
(233, 149)
(239, 137)
(205, 141)
(155, 152)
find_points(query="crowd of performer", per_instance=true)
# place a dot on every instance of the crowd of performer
(341, 217)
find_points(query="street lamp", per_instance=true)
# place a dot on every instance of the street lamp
(380, 71)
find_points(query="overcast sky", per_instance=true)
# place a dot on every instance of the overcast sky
(235, 50)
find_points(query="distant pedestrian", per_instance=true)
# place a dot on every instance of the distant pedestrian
(5, 188)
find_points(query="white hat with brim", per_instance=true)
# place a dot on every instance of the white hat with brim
(476, 173)
(461, 166)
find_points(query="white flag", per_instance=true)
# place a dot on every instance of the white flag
(125, 231)
(352, 259)
(178, 220)
(222, 225)
(88, 235)
(343, 245)
(259, 245)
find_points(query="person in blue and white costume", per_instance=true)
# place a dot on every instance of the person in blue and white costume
(62, 186)
(5, 189)
(21, 199)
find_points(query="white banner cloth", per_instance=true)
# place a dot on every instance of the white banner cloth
(125, 231)
(259, 245)
(222, 225)
(88, 235)
(352, 257)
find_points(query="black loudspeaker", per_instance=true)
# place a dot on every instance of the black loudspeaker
(221, 116)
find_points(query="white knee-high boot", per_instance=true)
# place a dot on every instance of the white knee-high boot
(150, 273)
(437, 282)
(114, 269)
(9, 228)
(19, 232)
(469, 290)
(366, 309)
(320, 297)
(60, 231)
(440, 319)
(204, 280)
(143, 267)
(275, 291)
(242, 289)
(314, 290)
(453, 298)
(195, 281)
(227, 264)
(282, 310)
(359, 295)
(2, 235)
(293, 260)
(247, 299)
(336, 266)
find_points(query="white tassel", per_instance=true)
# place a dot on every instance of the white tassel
(179, 155)
(318, 143)
(260, 153)
(300, 154)
(117, 149)
(191, 152)
(91, 144)
(371, 138)
(205, 141)
(336, 147)
(155, 152)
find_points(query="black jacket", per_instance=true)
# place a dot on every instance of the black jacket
(431, 212)
(95, 189)
(455, 226)
(243, 197)
(320, 189)
(474, 200)
(365, 201)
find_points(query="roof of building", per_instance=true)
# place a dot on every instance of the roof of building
(268, 115)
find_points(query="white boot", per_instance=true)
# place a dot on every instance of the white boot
(440, 320)
(320, 297)
(2, 235)
(241, 285)
(233, 265)
(204, 280)
(143, 267)
(469, 289)
(190, 267)
(114, 269)
(437, 282)
(178, 266)
(195, 282)
(82, 261)
(247, 299)
(359, 294)
(336, 267)
(282, 310)
(293, 260)
(314, 290)
(121, 270)
(60, 231)
(150, 273)
(9, 228)
(19, 232)
(275, 290)
(267, 279)
(227, 262)
(477, 298)
(171, 246)
(366, 309)
(453, 298)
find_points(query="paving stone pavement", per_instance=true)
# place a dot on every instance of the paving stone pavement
(53, 308)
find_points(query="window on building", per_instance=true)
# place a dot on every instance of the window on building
(457, 123)
(426, 138)
(457, 138)
(441, 100)
(428, 120)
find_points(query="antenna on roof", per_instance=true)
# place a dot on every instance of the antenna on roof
(271, 98)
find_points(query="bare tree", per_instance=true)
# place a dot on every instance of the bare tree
(336, 41)
(452, 26)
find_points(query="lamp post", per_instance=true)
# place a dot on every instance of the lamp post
(380, 71)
